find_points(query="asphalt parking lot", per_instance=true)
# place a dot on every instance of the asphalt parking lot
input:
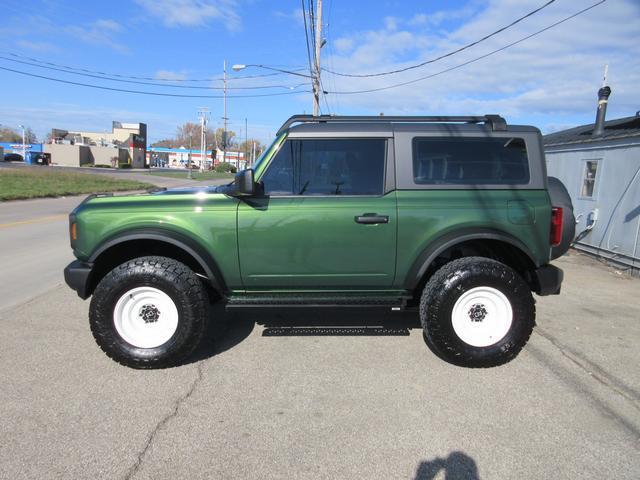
(314, 394)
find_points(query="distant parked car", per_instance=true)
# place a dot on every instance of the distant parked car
(41, 158)
(13, 157)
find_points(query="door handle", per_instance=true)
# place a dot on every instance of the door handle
(369, 219)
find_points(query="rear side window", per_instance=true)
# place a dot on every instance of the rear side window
(470, 161)
(327, 167)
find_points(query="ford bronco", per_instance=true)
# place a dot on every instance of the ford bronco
(452, 216)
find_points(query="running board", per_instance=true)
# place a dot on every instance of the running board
(314, 300)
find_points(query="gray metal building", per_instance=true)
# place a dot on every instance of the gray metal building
(600, 166)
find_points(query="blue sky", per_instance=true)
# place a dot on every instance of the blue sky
(549, 81)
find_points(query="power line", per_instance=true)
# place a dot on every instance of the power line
(210, 79)
(306, 35)
(467, 46)
(312, 30)
(149, 83)
(140, 92)
(473, 60)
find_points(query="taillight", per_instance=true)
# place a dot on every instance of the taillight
(74, 232)
(555, 237)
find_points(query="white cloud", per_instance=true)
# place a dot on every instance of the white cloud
(40, 47)
(170, 75)
(391, 23)
(551, 78)
(441, 16)
(190, 13)
(102, 32)
(296, 15)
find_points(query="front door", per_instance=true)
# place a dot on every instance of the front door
(324, 222)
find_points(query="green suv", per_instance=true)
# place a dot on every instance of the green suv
(452, 216)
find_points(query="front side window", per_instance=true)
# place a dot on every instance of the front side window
(589, 178)
(470, 161)
(327, 167)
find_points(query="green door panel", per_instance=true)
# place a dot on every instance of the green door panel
(426, 215)
(306, 241)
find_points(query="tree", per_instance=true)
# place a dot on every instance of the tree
(9, 135)
(231, 135)
(15, 136)
(190, 131)
(247, 148)
(166, 143)
(30, 136)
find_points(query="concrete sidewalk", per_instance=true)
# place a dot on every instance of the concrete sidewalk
(330, 403)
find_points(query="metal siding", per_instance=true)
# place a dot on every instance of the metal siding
(617, 196)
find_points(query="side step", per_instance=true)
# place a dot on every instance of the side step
(308, 300)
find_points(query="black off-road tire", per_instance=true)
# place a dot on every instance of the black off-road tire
(448, 284)
(173, 278)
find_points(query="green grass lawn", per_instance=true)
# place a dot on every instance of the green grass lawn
(22, 183)
(196, 175)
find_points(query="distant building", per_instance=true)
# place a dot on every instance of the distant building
(179, 157)
(599, 164)
(130, 137)
(9, 147)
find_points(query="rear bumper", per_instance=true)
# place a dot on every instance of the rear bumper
(548, 280)
(76, 275)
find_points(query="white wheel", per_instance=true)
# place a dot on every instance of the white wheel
(482, 316)
(145, 317)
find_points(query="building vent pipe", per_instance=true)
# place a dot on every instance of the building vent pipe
(603, 99)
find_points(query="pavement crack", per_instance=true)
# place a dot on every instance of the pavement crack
(594, 371)
(164, 421)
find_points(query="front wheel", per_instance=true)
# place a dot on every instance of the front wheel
(477, 312)
(149, 312)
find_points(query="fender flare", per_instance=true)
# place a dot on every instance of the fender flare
(185, 243)
(448, 240)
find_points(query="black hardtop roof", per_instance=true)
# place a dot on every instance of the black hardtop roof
(385, 125)
(495, 122)
(626, 127)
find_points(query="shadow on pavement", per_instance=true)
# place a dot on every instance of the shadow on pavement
(226, 329)
(457, 466)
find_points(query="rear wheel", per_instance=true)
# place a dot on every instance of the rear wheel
(477, 312)
(149, 312)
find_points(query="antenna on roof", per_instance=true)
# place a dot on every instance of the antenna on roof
(606, 73)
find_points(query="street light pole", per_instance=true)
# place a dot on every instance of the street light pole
(224, 118)
(202, 113)
(246, 145)
(24, 145)
(189, 158)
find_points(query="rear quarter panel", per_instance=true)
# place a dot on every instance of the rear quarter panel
(424, 216)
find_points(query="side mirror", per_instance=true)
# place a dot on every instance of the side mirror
(244, 183)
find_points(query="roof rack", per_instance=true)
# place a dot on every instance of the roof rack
(496, 122)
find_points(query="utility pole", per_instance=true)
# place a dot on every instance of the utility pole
(189, 158)
(246, 145)
(316, 77)
(224, 118)
(203, 113)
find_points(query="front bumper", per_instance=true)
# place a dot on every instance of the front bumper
(77, 275)
(548, 280)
